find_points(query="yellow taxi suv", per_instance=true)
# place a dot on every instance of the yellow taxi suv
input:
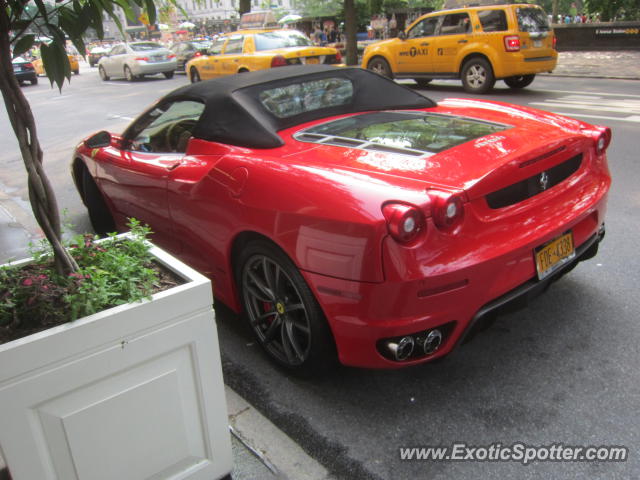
(250, 50)
(477, 45)
(73, 64)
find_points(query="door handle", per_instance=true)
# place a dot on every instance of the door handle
(424, 44)
(463, 41)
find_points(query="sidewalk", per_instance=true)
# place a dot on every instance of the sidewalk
(260, 450)
(622, 64)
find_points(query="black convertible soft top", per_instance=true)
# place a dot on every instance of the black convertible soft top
(235, 115)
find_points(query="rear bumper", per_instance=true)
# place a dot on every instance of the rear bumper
(521, 65)
(363, 317)
(140, 68)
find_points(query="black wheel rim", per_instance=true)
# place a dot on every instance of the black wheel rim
(276, 310)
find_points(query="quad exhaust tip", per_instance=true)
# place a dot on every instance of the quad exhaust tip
(403, 348)
(432, 342)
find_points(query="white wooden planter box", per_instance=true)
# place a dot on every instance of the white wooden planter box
(134, 392)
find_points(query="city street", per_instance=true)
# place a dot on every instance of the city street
(563, 371)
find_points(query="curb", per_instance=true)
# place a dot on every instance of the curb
(275, 449)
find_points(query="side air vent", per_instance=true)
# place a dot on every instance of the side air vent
(534, 185)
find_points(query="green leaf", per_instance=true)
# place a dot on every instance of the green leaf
(24, 44)
(151, 11)
(56, 63)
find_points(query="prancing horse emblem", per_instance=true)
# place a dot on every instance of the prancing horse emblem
(543, 181)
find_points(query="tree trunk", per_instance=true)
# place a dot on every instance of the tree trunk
(554, 11)
(350, 21)
(41, 196)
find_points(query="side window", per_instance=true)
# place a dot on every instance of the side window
(117, 50)
(234, 45)
(216, 47)
(166, 128)
(493, 20)
(455, 24)
(425, 28)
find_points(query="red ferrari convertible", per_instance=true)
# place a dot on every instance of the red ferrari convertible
(349, 217)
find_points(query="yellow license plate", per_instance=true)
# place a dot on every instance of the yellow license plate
(554, 254)
(312, 61)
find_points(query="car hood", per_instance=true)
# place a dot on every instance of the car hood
(532, 141)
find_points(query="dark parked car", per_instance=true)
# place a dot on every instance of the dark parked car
(24, 71)
(95, 54)
(185, 51)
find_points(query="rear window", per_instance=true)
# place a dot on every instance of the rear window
(413, 132)
(141, 47)
(284, 102)
(493, 20)
(532, 20)
(273, 40)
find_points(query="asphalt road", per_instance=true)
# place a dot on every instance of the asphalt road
(563, 371)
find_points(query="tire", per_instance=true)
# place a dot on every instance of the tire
(477, 76)
(519, 81)
(128, 75)
(103, 74)
(76, 72)
(168, 75)
(282, 311)
(380, 66)
(422, 82)
(99, 214)
(194, 76)
(34, 80)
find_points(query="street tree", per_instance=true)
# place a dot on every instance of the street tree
(20, 25)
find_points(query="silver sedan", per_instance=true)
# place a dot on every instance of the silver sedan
(137, 59)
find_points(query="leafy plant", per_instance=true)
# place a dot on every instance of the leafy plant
(111, 272)
(20, 22)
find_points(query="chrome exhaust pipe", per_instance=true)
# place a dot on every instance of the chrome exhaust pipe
(402, 349)
(432, 342)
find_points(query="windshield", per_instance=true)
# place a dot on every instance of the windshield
(141, 47)
(532, 20)
(429, 133)
(281, 39)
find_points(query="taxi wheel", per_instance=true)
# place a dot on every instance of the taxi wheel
(380, 66)
(422, 82)
(128, 75)
(194, 75)
(103, 74)
(519, 81)
(76, 72)
(282, 311)
(477, 76)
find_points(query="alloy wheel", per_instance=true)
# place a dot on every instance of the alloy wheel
(276, 310)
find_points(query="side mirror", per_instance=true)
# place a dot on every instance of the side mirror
(99, 140)
(402, 35)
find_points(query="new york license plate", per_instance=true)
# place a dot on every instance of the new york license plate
(554, 254)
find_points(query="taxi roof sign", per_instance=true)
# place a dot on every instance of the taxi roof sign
(264, 19)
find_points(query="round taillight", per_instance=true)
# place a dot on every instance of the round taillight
(278, 61)
(338, 56)
(404, 222)
(447, 210)
(197, 54)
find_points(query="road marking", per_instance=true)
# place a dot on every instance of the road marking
(634, 118)
(581, 104)
(602, 94)
(113, 116)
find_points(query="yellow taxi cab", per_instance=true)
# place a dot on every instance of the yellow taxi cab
(477, 45)
(257, 49)
(73, 63)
